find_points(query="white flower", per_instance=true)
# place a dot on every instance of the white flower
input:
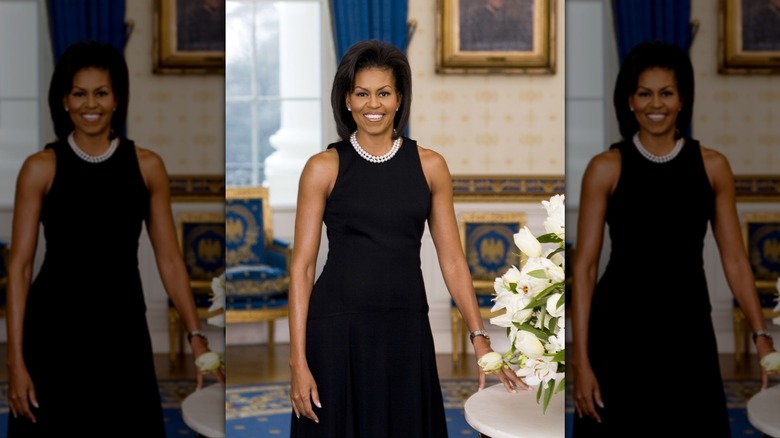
(554, 344)
(217, 301)
(528, 243)
(771, 362)
(512, 276)
(528, 344)
(491, 362)
(514, 305)
(530, 285)
(556, 216)
(559, 260)
(539, 370)
(208, 362)
(552, 306)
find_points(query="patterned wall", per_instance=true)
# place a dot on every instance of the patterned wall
(486, 124)
(180, 117)
(736, 115)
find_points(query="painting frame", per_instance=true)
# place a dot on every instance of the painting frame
(747, 42)
(188, 53)
(457, 52)
(754, 228)
(483, 283)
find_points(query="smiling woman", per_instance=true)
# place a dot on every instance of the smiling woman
(656, 189)
(92, 193)
(362, 354)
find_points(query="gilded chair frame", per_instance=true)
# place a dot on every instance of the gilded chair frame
(234, 316)
(482, 286)
(175, 328)
(741, 329)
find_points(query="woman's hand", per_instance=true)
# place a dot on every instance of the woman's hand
(764, 346)
(303, 392)
(21, 393)
(505, 375)
(586, 392)
(200, 346)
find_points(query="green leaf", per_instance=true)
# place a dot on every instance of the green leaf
(539, 334)
(549, 238)
(539, 273)
(561, 300)
(559, 356)
(552, 323)
(561, 385)
(539, 394)
(541, 299)
(548, 394)
(557, 250)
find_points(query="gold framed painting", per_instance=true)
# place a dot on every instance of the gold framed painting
(749, 37)
(495, 36)
(189, 36)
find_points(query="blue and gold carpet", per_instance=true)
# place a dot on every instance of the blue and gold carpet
(172, 392)
(264, 410)
(738, 392)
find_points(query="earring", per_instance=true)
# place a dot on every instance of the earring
(631, 108)
(349, 108)
(66, 109)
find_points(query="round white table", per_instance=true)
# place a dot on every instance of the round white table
(496, 413)
(763, 409)
(204, 411)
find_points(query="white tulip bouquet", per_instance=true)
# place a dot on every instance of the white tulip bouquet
(534, 299)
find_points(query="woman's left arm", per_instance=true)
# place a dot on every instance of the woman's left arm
(170, 263)
(452, 261)
(728, 235)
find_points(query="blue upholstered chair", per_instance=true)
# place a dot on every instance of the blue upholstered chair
(761, 234)
(202, 241)
(257, 272)
(488, 243)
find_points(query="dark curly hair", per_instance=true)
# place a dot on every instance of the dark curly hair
(370, 54)
(647, 55)
(81, 55)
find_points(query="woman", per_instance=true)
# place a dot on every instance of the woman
(81, 325)
(657, 189)
(362, 356)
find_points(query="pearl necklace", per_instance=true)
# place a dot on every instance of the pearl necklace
(655, 158)
(93, 158)
(373, 158)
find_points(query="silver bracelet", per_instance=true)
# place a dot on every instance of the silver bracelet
(478, 332)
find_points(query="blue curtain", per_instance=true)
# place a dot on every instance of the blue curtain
(77, 20)
(641, 20)
(357, 20)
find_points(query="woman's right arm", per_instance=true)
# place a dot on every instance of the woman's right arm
(598, 183)
(315, 185)
(33, 182)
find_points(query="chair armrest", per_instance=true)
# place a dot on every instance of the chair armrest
(279, 255)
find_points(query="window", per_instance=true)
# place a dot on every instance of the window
(20, 99)
(273, 91)
(591, 63)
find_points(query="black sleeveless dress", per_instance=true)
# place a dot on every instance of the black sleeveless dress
(368, 342)
(85, 330)
(654, 290)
